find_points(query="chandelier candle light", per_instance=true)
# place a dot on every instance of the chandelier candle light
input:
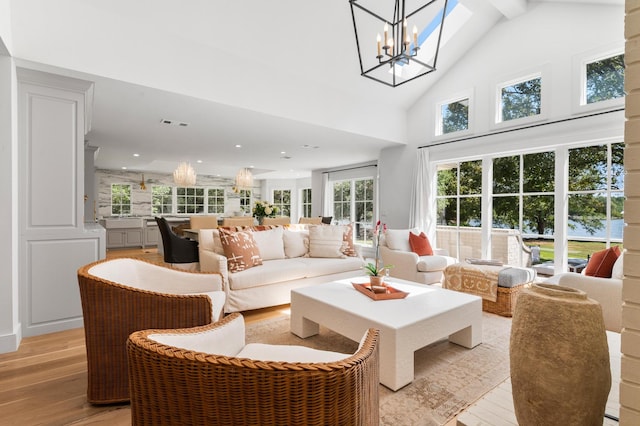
(244, 179)
(184, 175)
(400, 56)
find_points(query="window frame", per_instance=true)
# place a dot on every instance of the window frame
(195, 205)
(281, 205)
(162, 205)
(579, 104)
(207, 197)
(543, 73)
(305, 207)
(111, 204)
(460, 96)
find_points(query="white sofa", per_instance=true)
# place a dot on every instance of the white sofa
(407, 265)
(286, 264)
(606, 291)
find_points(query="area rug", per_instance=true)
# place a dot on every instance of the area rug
(448, 377)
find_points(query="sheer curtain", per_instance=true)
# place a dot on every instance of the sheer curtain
(421, 214)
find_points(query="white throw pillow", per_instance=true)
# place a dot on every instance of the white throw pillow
(326, 241)
(618, 267)
(270, 243)
(398, 239)
(217, 243)
(296, 243)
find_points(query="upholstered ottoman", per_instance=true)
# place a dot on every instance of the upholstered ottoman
(498, 286)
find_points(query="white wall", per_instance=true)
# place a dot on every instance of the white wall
(5, 27)
(541, 39)
(10, 331)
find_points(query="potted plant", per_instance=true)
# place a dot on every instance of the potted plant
(374, 270)
(262, 209)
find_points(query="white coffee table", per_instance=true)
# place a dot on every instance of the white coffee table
(426, 315)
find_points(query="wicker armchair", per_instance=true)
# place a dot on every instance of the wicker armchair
(118, 298)
(172, 385)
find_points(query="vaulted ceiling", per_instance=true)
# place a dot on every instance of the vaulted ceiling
(280, 78)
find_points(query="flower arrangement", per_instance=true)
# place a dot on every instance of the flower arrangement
(264, 209)
(374, 269)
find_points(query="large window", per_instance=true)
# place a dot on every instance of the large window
(190, 200)
(161, 199)
(459, 200)
(596, 196)
(604, 79)
(453, 117)
(120, 199)
(245, 200)
(353, 201)
(282, 200)
(520, 99)
(215, 200)
(305, 205)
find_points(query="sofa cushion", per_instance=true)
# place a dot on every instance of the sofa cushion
(272, 271)
(432, 263)
(317, 267)
(398, 239)
(240, 249)
(326, 241)
(288, 353)
(296, 243)
(601, 262)
(420, 244)
(270, 243)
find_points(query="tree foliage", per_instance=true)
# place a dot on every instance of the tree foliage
(521, 99)
(455, 116)
(605, 79)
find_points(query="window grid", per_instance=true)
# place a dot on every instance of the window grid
(282, 200)
(161, 199)
(305, 205)
(215, 200)
(120, 199)
(190, 200)
(245, 200)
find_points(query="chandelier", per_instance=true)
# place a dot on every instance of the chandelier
(398, 40)
(184, 175)
(244, 180)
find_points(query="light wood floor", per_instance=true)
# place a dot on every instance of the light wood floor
(45, 381)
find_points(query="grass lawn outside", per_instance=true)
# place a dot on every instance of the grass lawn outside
(577, 249)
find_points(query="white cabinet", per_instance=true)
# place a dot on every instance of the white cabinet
(118, 238)
(152, 235)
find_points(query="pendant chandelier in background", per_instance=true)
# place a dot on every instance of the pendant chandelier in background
(184, 175)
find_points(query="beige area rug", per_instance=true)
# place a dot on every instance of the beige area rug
(448, 377)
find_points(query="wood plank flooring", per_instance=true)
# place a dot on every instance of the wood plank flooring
(45, 381)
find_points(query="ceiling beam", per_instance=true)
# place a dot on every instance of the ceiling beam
(510, 8)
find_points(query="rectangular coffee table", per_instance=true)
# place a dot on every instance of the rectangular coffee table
(426, 315)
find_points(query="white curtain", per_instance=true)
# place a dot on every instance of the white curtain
(421, 215)
(326, 205)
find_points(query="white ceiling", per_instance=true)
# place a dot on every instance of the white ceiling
(274, 76)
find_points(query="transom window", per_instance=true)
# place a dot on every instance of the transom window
(453, 117)
(520, 99)
(215, 200)
(282, 200)
(120, 199)
(604, 79)
(161, 199)
(190, 200)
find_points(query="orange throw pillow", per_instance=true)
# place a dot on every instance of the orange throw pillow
(601, 262)
(240, 249)
(420, 244)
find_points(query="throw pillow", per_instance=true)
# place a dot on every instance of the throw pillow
(240, 249)
(270, 243)
(217, 244)
(396, 239)
(601, 262)
(296, 243)
(348, 249)
(618, 267)
(325, 241)
(420, 244)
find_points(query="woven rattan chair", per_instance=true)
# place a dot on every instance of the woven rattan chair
(172, 385)
(118, 298)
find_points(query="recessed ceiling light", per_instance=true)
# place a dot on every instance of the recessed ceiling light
(136, 155)
(283, 152)
(307, 146)
(124, 168)
(238, 146)
(199, 161)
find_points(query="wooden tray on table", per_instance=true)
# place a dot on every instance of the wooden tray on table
(389, 294)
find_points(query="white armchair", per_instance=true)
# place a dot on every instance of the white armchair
(606, 291)
(407, 265)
